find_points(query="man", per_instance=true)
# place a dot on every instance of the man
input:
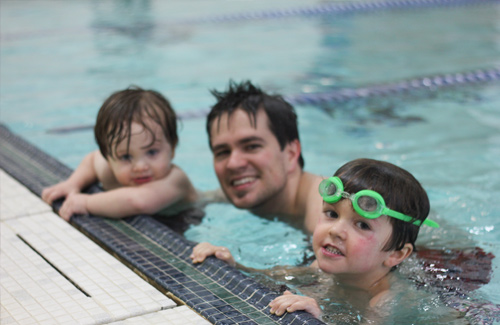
(257, 156)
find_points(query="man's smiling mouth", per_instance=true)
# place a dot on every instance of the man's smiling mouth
(243, 181)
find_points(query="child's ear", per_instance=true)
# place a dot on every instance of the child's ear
(399, 256)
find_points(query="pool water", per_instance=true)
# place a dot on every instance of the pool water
(60, 61)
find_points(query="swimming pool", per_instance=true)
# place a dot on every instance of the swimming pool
(58, 63)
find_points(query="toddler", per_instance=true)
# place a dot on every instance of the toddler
(136, 131)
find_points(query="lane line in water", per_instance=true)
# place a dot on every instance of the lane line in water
(431, 82)
(335, 9)
(344, 8)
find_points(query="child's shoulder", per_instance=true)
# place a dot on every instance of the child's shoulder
(177, 175)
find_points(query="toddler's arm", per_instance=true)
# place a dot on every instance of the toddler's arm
(203, 250)
(147, 198)
(83, 176)
(289, 302)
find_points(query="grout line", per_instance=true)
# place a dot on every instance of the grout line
(53, 266)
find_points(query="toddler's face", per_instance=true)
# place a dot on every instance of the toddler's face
(142, 161)
(350, 246)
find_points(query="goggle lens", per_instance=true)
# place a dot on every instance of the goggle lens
(367, 203)
(331, 189)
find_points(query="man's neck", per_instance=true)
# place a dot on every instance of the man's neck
(288, 205)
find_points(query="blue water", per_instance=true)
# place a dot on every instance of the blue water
(60, 60)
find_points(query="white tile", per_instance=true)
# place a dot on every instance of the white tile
(33, 292)
(17, 201)
(175, 316)
(32, 282)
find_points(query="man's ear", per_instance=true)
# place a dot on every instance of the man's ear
(292, 151)
(399, 256)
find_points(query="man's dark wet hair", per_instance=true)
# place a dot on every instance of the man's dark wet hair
(400, 190)
(134, 104)
(249, 98)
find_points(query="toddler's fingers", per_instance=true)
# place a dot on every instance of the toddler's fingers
(47, 195)
(65, 213)
(278, 309)
(224, 254)
(201, 251)
(307, 304)
(279, 305)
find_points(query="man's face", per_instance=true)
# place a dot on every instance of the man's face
(249, 163)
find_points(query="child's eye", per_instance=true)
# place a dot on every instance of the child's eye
(331, 214)
(363, 225)
(152, 152)
(125, 157)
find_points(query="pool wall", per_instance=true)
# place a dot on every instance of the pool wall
(220, 293)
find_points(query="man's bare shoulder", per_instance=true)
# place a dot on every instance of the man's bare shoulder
(312, 200)
(309, 184)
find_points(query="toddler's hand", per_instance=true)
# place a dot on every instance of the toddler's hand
(289, 302)
(59, 190)
(203, 250)
(74, 204)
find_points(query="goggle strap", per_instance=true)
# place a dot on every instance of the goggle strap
(400, 216)
(403, 217)
(431, 223)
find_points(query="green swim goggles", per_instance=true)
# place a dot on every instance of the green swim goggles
(367, 203)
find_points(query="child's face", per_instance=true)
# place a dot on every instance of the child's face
(144, 161)
(350, 246)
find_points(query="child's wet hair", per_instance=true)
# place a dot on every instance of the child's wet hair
(400, 190)
(137, 105)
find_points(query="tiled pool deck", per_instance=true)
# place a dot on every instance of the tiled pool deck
(56, 272)
(53, 274)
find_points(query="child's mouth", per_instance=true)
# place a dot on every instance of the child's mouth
(330, 250)
(142, 180)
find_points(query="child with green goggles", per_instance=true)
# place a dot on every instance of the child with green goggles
(367, 203)
(358, 241)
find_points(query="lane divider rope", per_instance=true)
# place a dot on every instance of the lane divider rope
(347, 94)
(335, 9)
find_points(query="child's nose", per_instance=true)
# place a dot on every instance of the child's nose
(140, 164)
(338, 229)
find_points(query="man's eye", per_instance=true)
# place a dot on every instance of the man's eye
(331, 214)
(221, 153)
(253, 146)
